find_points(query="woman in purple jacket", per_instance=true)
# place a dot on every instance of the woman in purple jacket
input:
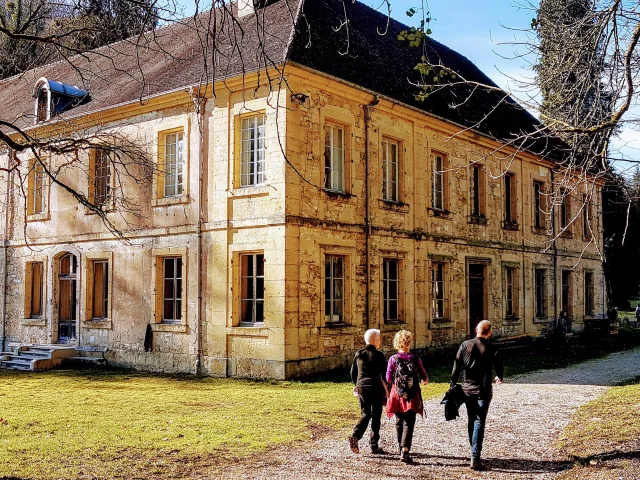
(404, 372)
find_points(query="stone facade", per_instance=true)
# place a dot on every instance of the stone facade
(296, 227)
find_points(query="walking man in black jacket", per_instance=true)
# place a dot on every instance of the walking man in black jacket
(367, 372)
(476, 360)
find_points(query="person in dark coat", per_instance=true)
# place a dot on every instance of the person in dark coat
(367, 372)
(476, 360)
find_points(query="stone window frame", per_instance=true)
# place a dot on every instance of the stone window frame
(510, 202)
(515, 268)
(32, 173)
(88, 260)
(589, 312)
(400, 257)
(331, 115)
(479, 216)
(543, 212)
(239, 120)
(444, 208)
(110, 204)
(169, 127)
(546, 290)
(445, 262)
(348, 253)
(27, 318)
(236, 309)
(157, 279)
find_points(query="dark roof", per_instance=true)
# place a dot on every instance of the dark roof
(171, 58)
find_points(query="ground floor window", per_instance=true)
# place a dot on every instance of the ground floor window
(252, 288)
(34, 286)
(100, 289)
(172, 290)
(334, 286)
(541, 288)
(511, 291)
(390, 289)
(437, 291)
(588, 293)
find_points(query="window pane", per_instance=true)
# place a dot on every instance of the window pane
(260, 265)
(167, 313)
(259, 311)
(246, 315)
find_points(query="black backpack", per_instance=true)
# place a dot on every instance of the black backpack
(406, 378)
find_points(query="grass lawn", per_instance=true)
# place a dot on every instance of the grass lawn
(65, 424)
(604, 435)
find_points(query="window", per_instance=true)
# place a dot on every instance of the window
(36, 190)
(477, 191)
(538, 205)
(334, 158)
(172, 290)
(510, 200)
(34, 285)
(100, 290)
(564, 209)
(101, 177)
(173, 164)
(437, 290)
(566, 291)
(390, 289)
(252, 151)
(511, 291)
(43, 104)
(390, 190)
(438, 183)
(586, 217)
(541, 296)
(588, 293)
(334, 284)
(252, 289)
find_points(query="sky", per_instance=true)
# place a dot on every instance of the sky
(485, 31)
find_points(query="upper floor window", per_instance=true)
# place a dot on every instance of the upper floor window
(334, 288)
(101, 184)
(510, 199)
(173, 163)
(334, 158)
(36, 188)
(438, 194)
(565, 208)
(390, 289)
(252, 288)
(586, 217)
(477, 191)
(390, 190)
(252, 151)
(538, 204)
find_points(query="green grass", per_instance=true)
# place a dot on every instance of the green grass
(64, 424)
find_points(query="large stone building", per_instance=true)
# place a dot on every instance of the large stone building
(308, 198)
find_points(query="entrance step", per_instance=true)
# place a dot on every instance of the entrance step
(35, 357)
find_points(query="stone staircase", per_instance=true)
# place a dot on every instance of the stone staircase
(35, 357)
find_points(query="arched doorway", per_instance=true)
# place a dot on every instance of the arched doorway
(67, 298)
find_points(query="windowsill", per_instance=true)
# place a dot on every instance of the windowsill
(107, 211)
(388, 326)
(335, 325)
(566, 234)
(512, 319)
(338, 194)
(250, 330)
(100, 323)
(394, 205)
(250, 191)
(478, 220)
(509, 225)
(439, 212)
(34, 322)
(169, 327)
(587, 238)
(38, 217)
(540, 231)
(438, 323)
(167, 201)
(539, 320)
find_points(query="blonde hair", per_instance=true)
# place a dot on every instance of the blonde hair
(402, 340)
(484, 327)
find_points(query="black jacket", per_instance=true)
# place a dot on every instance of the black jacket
(368, 369)
(477, 358)
(452, 401)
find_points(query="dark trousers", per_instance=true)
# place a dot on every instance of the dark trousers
(404, 428)
(477, 409)
(371, 410)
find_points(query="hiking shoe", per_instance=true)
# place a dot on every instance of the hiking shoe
(477, 466)
(405, 456)
(353, 444)
(376, 450)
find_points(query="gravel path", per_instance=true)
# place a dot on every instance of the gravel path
(526, 416)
